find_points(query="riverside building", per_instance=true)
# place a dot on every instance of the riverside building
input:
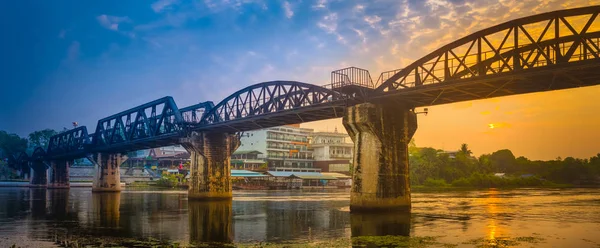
(332, 151)
(284, 148)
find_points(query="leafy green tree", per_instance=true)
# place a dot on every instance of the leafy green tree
(41, 138)
(503, 161)
(11, 143)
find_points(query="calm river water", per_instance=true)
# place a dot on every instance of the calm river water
(497, 218)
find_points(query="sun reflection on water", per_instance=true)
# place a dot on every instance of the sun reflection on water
(492, 207)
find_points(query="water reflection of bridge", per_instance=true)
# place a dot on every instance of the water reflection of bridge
(549, 51)
(78, 214)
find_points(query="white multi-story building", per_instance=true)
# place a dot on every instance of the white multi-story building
(285, 148)
(332, 151)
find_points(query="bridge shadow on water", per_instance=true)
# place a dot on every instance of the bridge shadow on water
(210, 222)
(146, 219)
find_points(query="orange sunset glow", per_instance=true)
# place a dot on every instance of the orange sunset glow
(538, 126)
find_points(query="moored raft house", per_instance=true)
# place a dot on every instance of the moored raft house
(296, 180)
(244, 179)
(342, 180)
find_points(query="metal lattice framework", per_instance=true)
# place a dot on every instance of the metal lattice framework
(39, 154)
(144, 126)
(271, 104)
(68, 143)
(194, 114)
(555, 50)
(530, 54)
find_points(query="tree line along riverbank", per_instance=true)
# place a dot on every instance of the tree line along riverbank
(432, 168)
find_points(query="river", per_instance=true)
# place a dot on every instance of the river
(492, 217)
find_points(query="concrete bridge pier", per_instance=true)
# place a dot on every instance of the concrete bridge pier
(210, 175)
(107, 176)
(59, 179)
(39, 177)
(381, 133)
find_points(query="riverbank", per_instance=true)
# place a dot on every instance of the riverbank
(360, 241)
(422, 188)
(26, 184)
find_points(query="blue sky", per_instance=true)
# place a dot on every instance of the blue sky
(65, 61)
(80, 61)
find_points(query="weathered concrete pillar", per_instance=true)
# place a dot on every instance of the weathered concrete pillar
(210, 222)
(381, 133)
(39, 179)
(107, 176)
(59, 178)
(210, 154)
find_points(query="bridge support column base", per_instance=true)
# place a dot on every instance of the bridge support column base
(39, 177)
(210, 175)
(381, 133)
(60, 174)
(107, 177)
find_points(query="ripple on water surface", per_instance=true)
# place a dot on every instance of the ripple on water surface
(495, 218)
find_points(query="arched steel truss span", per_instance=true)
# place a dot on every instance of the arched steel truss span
(69, 143)
(195, 113)
(531, 54)
(555, 50)
(271, 104)
(153, 124)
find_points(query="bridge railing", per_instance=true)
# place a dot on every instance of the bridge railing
(548, 39)
(350, 76)
(385, 76)
(467, 66)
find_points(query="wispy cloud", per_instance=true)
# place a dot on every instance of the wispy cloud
(289, 13)
(163, 5)
(112, 22)
(320, 4)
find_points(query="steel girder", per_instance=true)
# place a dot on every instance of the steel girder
(39, 154)
(194, 114)
(261, 101)
(143, 126)
(555, 50)
(510, 58)
(69, 143)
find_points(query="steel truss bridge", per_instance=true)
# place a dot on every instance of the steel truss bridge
(549, 51)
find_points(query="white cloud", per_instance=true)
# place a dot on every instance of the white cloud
(321, 4)
(329, 23)
(372, 20)
(162, 5)
(111, 22)
(358, 8)
(288, 9)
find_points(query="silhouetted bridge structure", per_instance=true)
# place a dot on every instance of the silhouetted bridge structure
(550, 51)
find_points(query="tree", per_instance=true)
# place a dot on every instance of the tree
(464, 149)
(41, 138)
(11, 143)
(503, 161)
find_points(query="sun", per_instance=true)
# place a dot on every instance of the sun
(491, 125)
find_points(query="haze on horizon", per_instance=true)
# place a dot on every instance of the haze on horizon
(80, 62)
